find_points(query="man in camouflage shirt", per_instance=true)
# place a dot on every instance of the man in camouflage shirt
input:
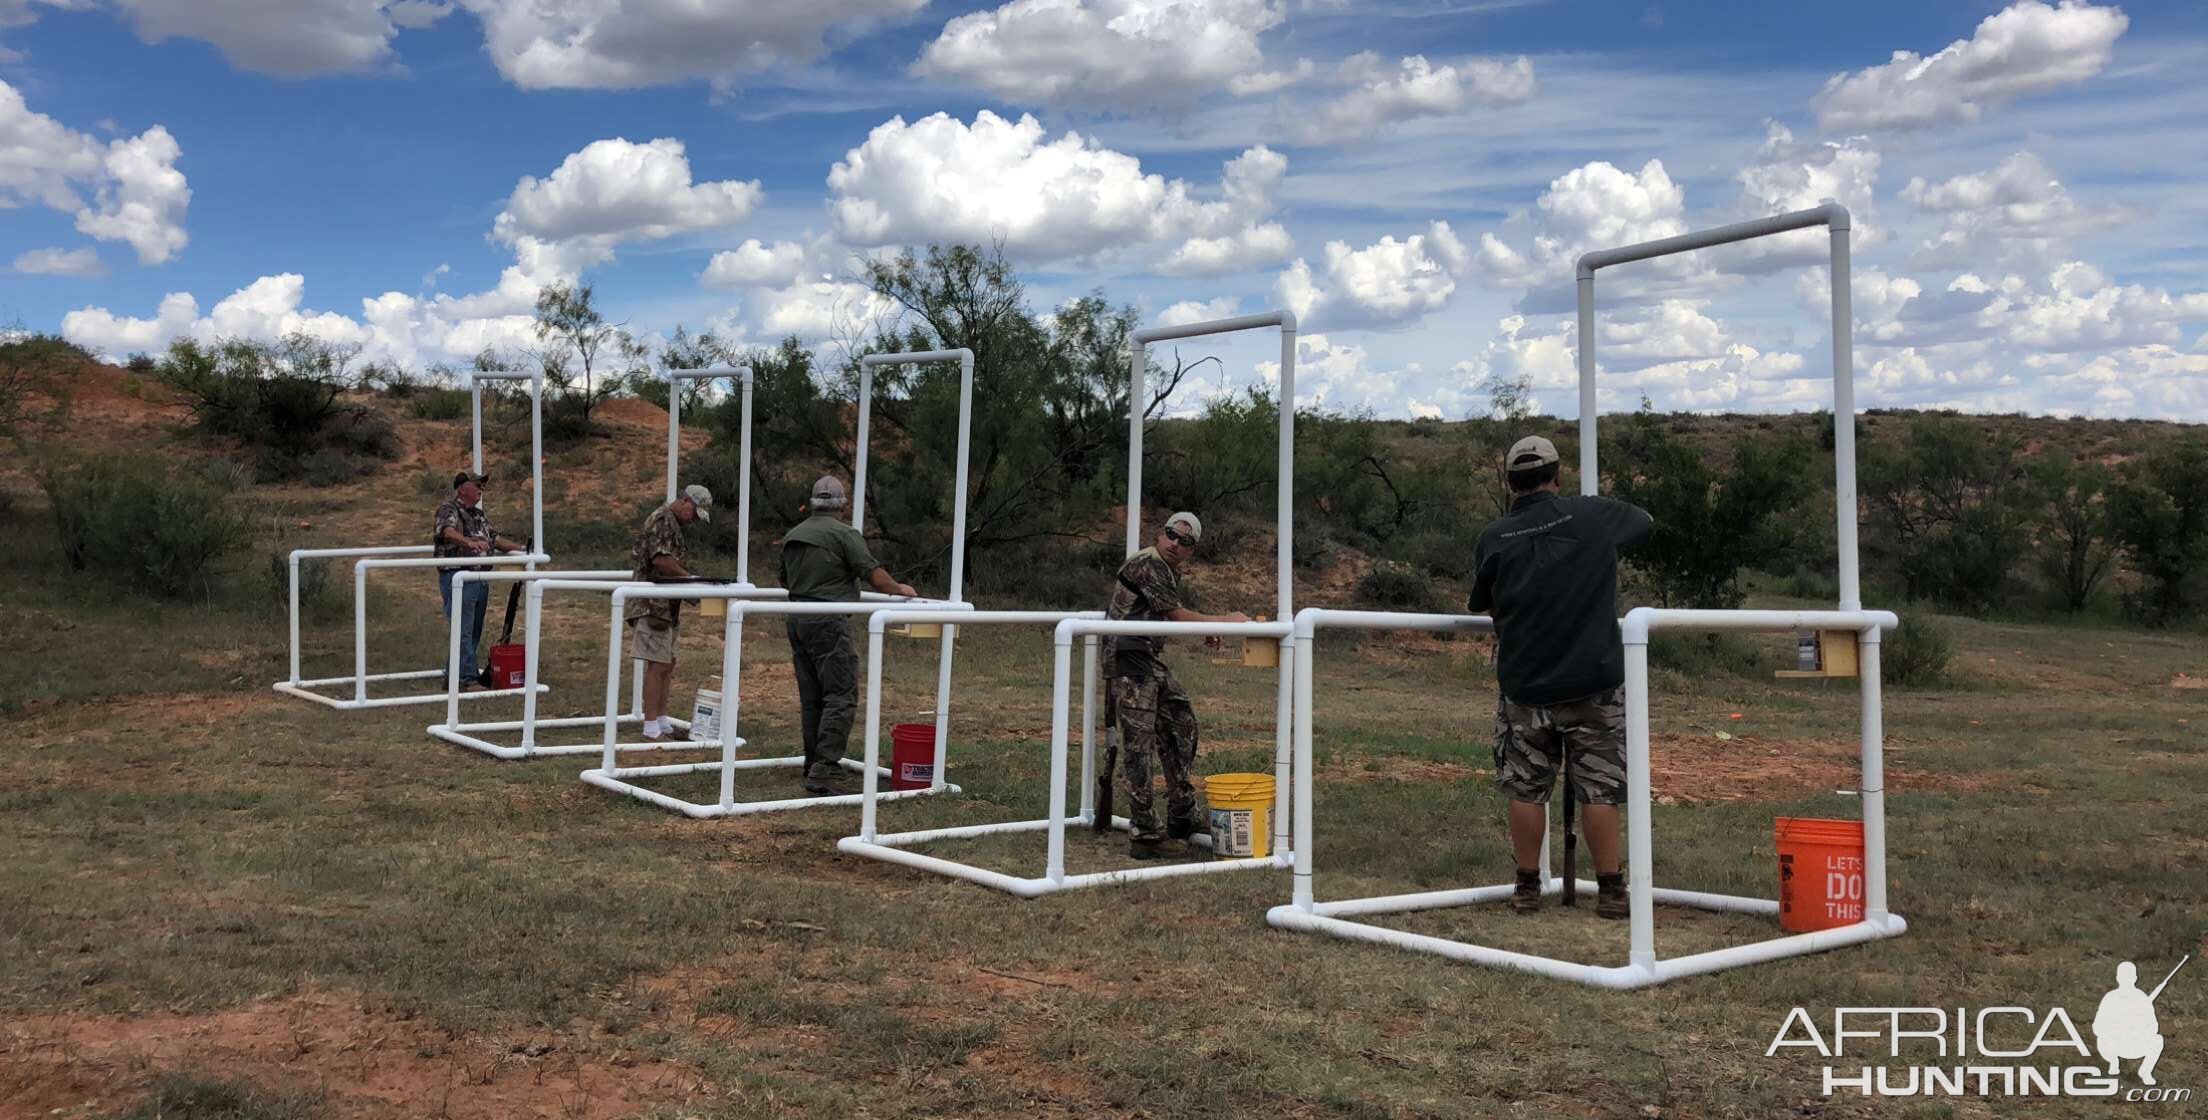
(1548, 573)
(463, 529)
(1156, 720)
(823, 558)
(658, 555)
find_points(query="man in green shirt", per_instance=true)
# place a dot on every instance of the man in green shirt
(823, 560)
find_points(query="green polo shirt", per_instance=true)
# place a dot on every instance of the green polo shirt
(823, 560)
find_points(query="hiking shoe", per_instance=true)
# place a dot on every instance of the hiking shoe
(1611, 900)
(1525, 898)
(1158, 847)
(826, 779)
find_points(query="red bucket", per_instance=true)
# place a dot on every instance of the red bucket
(509, 665)
(1820, 873)
(912, 756)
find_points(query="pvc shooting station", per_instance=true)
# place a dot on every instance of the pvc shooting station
(1085, 628)
(419, 556)
(623, 780)
(475, 736)
(1642, 967)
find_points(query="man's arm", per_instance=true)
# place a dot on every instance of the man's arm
(1482, 599)
(882, 581)
(1183, 614)
(1632, 524)
(665, 566)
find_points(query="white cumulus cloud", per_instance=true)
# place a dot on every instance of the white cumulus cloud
(286, 38)
(1388, 282)
(60, 262)
(138, 195)
(1379, 95)
(2017, 212)
(1111, 54)
(1593, 206)
(625, 44)
(754, 264)
(2025, 49)
(621, 190)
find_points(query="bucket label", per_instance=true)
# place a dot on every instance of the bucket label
(705, 719)
(922, 772)
(1231, 832)
(1844, 887)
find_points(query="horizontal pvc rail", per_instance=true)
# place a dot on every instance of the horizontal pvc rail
(609, 777)
(877, 625)
(1835, 218)
(376, 560)
(299, 554)
(1643, 967)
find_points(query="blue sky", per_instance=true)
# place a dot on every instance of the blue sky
(1411, 178)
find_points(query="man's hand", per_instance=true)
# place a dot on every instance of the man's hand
(907, 590)
(480, 548)
(1236, 617)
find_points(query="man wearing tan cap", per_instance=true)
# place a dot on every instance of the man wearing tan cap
(658, 555)
(461, 528)
(823, 560)
(1154, 716)
(1548, 574)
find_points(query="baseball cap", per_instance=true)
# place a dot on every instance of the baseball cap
(704, 499)
(469, 476)
(828, 491)
(1532, 451)
(1187, 521)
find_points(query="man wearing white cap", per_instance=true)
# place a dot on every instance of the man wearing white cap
(658, 555)
(1548, 573)
(1156, 720)
(823, 560)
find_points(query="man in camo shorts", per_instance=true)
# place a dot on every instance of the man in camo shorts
(1548, 574)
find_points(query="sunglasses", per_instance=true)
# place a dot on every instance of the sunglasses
(1177, 538)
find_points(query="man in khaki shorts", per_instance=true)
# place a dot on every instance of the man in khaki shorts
(657, 556)
(1548, 573)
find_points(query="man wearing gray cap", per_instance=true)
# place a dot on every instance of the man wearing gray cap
(658, 555)
(1155, 718)
(823, 558)
(1548, 574)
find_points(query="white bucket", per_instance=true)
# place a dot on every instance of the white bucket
(705, 718)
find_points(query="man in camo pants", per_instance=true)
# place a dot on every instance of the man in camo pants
(1157, 721)
(1548, 573)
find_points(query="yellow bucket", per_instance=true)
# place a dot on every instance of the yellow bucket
(1241, 814)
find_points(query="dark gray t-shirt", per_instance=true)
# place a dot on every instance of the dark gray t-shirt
(1548, 573)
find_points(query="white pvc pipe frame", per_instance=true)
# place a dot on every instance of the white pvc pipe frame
(891, 847)
(417, 556)
(471, 735)
(606, 775)
(1643, 967)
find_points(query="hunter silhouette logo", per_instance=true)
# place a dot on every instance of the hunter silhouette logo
(2125, 1028)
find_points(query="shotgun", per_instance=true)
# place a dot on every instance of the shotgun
(1571, 837)
(1105, 766)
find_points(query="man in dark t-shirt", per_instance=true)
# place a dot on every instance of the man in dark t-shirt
(823, 560)
(1548, 573)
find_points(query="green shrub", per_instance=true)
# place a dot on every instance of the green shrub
(1918, 652)
(141, 524)
(189, 1097)
(1705, 655)
(329, 466)
(1391, 586)
(281, 402)
(319, 596)
(439, 404)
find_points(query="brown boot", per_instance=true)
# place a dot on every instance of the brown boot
(1157, 847)
(1525, 898)
(1611, 901)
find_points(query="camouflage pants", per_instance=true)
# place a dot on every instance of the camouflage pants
(827, 684)
(1157, 729)
(1530, 741)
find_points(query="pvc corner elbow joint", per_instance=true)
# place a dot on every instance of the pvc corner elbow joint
(1633, 630)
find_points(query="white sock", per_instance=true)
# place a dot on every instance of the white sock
(653, 728)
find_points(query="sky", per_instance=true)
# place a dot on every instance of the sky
(1414, 179)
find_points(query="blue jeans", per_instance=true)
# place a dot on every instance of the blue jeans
(475, 602)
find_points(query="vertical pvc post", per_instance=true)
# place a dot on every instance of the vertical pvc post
(1843, 413)
(536, 466)
(858, 472)
(1088, 729)
(1301, 716)
(1639, 859)
(869, 784)
(743, 485)
(613, 681)
(475, 424)
(732, 643)
(1062, 672)
(1137, 367)
(295, 616)
(958, 563)
(1284, 503)
(531, 651)
(674, 431)
(1590, 480)
(360, 631)
(1284, 740)
(1874, 777)
(452, 659)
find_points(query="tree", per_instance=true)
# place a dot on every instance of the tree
(685, 351)
(1709, 523)
(1945, 515)
(579, 341)
(2073, 544)
(2159, 514)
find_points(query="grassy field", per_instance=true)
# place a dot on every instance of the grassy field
(220, 902)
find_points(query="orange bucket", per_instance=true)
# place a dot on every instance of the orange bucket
(1820, 873)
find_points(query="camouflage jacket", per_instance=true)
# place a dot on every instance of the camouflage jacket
(472, 522)
(1147, 589)
(661, 536)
